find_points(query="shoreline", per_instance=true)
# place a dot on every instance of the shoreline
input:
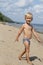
(17, 26)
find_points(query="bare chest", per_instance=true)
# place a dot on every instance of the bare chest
(28, 28)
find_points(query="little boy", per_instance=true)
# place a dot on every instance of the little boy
(27, 30)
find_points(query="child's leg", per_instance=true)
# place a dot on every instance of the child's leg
(27, 46)
(22, 54)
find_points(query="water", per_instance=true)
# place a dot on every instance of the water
(37, 27)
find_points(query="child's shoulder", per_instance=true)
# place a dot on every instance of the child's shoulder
(23, 24)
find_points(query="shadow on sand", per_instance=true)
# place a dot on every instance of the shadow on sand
(32, 58)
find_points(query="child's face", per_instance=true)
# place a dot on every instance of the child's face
(28, 18)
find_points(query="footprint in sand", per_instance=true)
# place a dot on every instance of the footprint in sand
(2, 41)
(9, 30)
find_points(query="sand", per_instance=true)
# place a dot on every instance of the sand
(10, 50)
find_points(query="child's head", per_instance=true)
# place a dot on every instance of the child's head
(29, 17)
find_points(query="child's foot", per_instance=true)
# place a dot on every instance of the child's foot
(30, 62)
(19, 58)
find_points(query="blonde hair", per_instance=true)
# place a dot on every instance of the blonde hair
(29, 14)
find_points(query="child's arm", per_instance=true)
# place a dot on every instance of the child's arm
(36, 35)
(19, 32)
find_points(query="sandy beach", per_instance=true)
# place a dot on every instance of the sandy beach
(10, 50)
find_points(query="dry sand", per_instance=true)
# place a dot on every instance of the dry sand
(9, 49)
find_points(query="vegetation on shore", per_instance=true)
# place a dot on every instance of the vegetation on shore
(4, 18)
